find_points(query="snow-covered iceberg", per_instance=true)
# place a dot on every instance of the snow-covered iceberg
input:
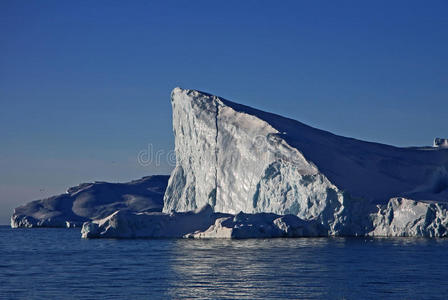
(90, 201)
(241, 161)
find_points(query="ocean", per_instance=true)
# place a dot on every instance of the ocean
(57, 264)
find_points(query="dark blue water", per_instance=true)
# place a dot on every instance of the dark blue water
(58, 264)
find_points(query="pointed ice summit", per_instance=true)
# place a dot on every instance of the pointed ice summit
(235, 159)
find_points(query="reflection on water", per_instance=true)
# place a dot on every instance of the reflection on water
(56, 263)
(248, 268)
(320, 268)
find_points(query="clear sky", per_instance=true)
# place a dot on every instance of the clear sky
(85, 85)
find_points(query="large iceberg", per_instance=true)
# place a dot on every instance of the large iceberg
(256, 167)
(236, 158)
(90, 201)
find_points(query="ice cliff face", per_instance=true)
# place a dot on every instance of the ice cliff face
(236, 158)
(235, 162)
(90, 201)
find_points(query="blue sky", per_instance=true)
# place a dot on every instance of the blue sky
(85, 85)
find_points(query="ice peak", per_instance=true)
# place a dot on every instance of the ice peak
(192, 95)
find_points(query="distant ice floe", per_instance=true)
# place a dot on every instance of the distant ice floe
(90, 201)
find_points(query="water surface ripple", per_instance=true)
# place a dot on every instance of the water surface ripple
(58, 264)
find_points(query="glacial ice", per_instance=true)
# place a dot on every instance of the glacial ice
(90, 201)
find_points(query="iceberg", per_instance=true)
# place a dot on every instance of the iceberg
(89, 201)
(237, 158)
(273, 176)
(439, 142)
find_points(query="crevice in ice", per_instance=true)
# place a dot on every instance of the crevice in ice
(256, 196)
(215, 191)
